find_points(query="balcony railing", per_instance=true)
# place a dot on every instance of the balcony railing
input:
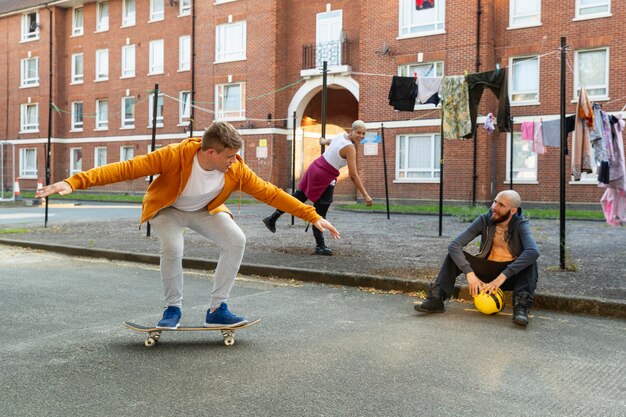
(335, 53)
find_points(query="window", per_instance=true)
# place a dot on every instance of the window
(77, 68)
(128, 13)
(30, 26)
(102, 16)
(524, 82)
(418, 157)
(592, 72)
(128, 112)
(77, 116)
(159, 112)
(184, 108)
(29, 117)
(185, 7)
(99, 156)
(76, 160)
(525, 13)
(28, 163)
(425, 21)
(128, 61)
(78, 24)
(102, 64)
(428, 69)
(524, 159)
(230, 42)
(156, 57)
(157, 10)
(30, 72)
(230, 102)
(156, 147)
(592, 8)
(184, 53)
(102, 114)
(127, 153)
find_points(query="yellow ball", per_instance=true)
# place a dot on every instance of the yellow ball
(489, 304)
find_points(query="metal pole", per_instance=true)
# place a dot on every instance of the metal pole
(324, 79)
(49, 143)
(382, 137)
(155, 102)
(441, 177)
(511, 167)
(293, 161)
(562, 162)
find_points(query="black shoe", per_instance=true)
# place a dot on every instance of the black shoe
(431, 305)
(270, 223)
(323, 250)
(520, 315)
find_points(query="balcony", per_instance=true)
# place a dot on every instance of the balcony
(335, 53)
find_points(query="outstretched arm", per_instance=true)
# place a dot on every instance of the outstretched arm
(325, 142)
(349, 152)
(60, 188)
(322, 224)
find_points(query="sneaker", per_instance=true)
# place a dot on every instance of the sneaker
(323, 250)
(171, 318)
(221, 317)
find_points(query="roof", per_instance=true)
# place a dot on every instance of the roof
(12, 6)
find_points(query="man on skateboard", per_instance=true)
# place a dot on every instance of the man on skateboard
(195, 178)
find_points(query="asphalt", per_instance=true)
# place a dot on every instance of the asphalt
(402, 253)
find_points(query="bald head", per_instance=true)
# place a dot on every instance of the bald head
(512, 197)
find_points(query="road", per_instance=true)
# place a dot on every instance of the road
(318, 351)
(68, 211)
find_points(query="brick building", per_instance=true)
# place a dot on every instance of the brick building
(256, 63)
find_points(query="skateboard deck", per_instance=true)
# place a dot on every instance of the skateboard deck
(154, 333)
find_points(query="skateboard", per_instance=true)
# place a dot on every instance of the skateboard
(154, 333)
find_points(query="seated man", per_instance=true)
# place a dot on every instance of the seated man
(507, 259)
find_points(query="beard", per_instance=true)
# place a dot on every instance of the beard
(500, 219)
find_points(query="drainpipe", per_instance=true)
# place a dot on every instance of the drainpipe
(475, 162)
(193, 67)
(48, 147)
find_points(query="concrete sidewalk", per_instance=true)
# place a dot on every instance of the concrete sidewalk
(401, 254)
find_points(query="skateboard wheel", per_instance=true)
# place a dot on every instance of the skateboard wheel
(149, 342)
(229, 340)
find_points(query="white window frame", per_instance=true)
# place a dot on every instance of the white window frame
(154, 15)
(25, 125)
(98, 152)
(156, 68)
(185, 8)
(402, 169)
(76, 164)
(413, 23)
(577, 75)
(527, 175)
(221, 53)
(582, 15)
(184, 108)
(125, 150)
(76, 77)
(128, 70)
(513, 67)
(25, 79)
(160, 110)
(28, 34)
(102, 118)
(526, 20)
(28, 163)
(129, 17)
(230, 115)
(102, 65)
(78, 30)
(184, 53)
(77, 126)
(102, 20)
(128, 123)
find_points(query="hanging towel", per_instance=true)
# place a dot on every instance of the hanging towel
(528, 131)
(581, 148)
(455, 108)
(496, 81)
(537, 145)
(403, 93)
(428, 89)
(552, 133)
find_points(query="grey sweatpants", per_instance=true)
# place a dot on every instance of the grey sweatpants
(220, 228)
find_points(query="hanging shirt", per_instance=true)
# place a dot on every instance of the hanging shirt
(537, 145)
(403, 93)
(528, 130)
(455, 108)
(428, 89)
(496, 81)
(203, 186)
(581, 148)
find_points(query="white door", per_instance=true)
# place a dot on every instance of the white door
(328, 38)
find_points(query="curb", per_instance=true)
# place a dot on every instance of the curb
(575, 305)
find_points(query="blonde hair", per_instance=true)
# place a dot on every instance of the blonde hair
(358, 124)
(221, 135)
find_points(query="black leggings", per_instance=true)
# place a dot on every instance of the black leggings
(321, 207)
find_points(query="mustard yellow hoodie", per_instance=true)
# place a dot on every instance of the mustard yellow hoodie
(173, 165)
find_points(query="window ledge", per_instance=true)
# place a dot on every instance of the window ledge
(76, 130)
(184, 15)
(183, 124)
(226, 61)
(420, 35)
(524, 103)
(127, 127)
(590, 17)
(150, 74)
(591, 98)
(593, 182)
(76, 35)
(128, 26)
(77, 83)
(124, 77)
(27, 132)
(29, 40)
(533, 25)
(100, 80)
(156, 20)
(184, 69)
(29, 86)
(522, 182)
(28, 177)
(102, 30)
(417, 181)
(231, 119)
(101, 129)
(157, 126)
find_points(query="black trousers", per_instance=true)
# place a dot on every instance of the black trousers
(524, 282)
(321, 207)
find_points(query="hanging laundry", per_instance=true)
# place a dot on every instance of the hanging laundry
(551, 133)
(489, 123)
(528, 131)
(613, 200)
(596, 137)
(455, 108)
(607, 136)
(496, 81)
(581, 148)
(613, 203)
(424, 4)
(403, 93)
(537, 145)
(429, 89)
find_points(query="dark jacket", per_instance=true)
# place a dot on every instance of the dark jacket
(519, 239)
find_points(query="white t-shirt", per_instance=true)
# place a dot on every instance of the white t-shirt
(331, 154)
(202, 187)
